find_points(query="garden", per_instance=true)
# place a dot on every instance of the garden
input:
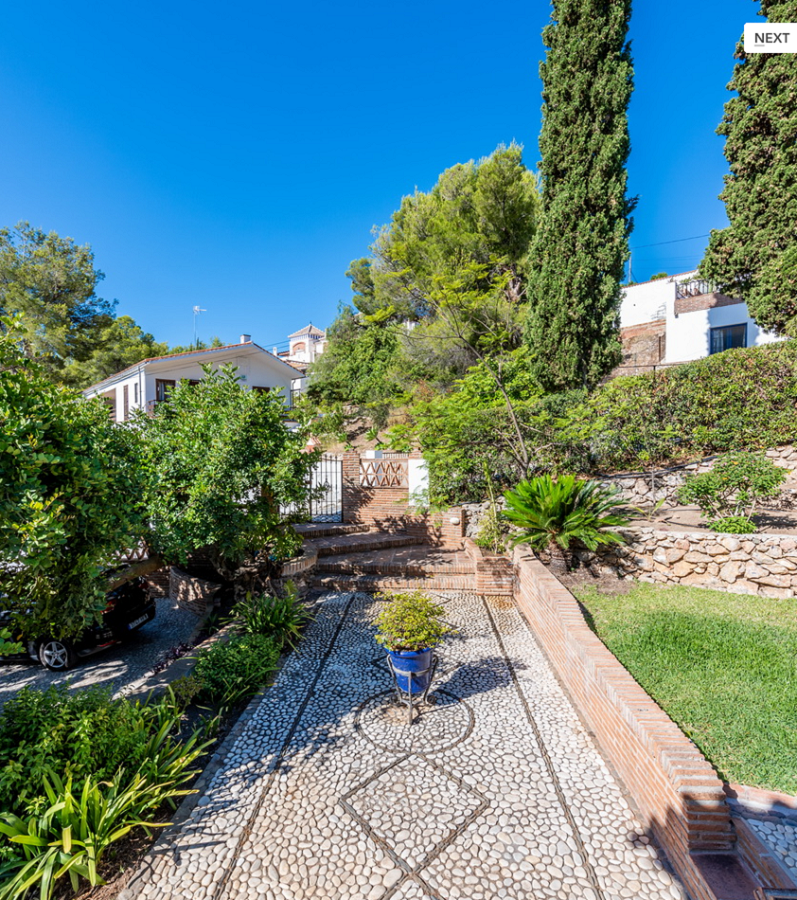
(87, 779)
(721, 665)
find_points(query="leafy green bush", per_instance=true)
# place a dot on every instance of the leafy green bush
(734, 486)
(411, 621)
(234, 670)
(79, 771)
(741, 399)
(282, 618)
(734, 525)
(73, 832)
(553, 515)
(76, 734)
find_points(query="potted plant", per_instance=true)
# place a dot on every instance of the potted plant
(409, 628)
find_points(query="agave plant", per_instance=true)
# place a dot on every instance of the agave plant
(552, 515)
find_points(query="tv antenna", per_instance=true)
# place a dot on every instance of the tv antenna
(197, 311)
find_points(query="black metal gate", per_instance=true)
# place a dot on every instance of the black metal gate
(326, 490)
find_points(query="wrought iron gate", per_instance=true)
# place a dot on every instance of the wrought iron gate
(325, 492)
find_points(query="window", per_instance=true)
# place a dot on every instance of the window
(260, 390)
(163, 387)
(727, 338)
(135, 394)
(125, 403)
(299, 348)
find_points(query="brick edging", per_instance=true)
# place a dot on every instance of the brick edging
(677, 791)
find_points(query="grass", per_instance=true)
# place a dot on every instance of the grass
(723, 666)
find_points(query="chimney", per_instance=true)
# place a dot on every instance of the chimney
(245, 338)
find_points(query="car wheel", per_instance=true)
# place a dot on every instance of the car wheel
(56, 655)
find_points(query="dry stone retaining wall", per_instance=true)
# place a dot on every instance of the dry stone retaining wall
(647, 488)
(745, 564)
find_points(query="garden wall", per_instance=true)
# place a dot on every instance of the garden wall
(676, 789)
(647, 488)
(745, 564)
(493, 574)
(376, 492)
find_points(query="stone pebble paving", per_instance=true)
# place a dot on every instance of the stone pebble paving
(781, 838)
(497, 791)
(120, 668)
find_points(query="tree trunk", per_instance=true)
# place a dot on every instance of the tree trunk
(559, 561)
(140, 568)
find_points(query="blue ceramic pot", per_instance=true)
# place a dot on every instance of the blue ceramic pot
(415, 666)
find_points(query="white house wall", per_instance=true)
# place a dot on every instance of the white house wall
(688, 334)
(645, 302)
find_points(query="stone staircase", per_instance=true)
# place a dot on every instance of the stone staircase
(355, 558)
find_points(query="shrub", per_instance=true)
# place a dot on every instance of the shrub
(73, 832)
(733, 487)
(75, 734)
(411, 621)
(553, 515)
(734, 525)
(234, 670)
(282, 618)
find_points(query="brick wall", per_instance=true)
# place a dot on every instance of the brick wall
(387, 509)
(676, 789)
(703, 301)
(494, 574)
(191, 593)
(643, 345)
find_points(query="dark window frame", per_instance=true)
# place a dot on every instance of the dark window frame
(723, 338)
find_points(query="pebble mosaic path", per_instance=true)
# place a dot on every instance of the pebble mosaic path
(496, 791)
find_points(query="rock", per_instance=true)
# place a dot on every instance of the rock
(672, 556)
(777, 593)
(715, 549)
(754, 572)
(682, 569)
(730, 571)
(730, 543)
(778, 581)
(693, 556)
(742, 587)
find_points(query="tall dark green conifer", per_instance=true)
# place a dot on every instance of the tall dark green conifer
(756, 256)
(581, 246)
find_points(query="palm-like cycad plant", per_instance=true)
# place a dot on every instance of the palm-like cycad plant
(554, 514)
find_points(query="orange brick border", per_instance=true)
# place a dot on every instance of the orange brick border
(677, 791)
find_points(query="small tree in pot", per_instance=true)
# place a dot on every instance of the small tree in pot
(409, 628)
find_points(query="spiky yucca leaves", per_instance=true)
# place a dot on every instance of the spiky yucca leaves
(553, 515)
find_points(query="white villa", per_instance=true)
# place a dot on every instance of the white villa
(148, 382)
(305, 345)
(679, 318)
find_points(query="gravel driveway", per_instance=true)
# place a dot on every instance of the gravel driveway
(119, 667)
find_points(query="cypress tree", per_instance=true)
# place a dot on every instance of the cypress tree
(581, 246)
(756, 256)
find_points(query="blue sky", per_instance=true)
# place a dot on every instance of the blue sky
(237, 156)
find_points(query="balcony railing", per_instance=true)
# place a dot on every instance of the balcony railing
(694, 288)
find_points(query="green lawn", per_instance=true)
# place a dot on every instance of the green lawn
(723, 666)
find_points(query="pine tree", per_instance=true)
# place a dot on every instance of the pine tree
(756, 256)
(581, 246)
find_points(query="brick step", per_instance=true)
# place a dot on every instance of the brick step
(329, 529)
(409, 561)
(361, 543)
(370, 584)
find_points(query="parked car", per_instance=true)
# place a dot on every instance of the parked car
(129, 607)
